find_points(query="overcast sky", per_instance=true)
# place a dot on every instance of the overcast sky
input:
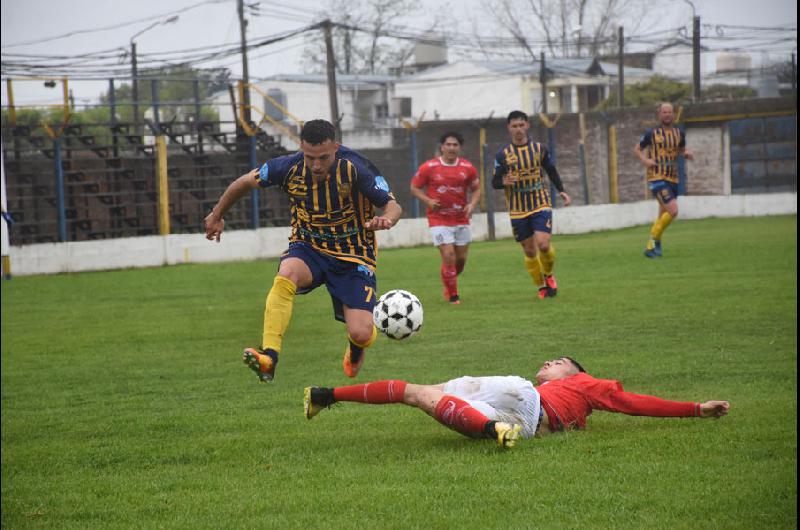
(215, 22)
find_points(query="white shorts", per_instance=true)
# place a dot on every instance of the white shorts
(459, 235)
(511, 399)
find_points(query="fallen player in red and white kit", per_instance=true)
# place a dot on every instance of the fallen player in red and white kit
(504, 408)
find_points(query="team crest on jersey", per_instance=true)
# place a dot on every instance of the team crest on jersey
(344, 189)
(511, 159)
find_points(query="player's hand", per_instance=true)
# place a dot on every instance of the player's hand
(468, 210)
(214, 226)
(379, 223)
(714, 409)
(509, 180)
(564, 197)
(433, 204)
(649, 162)
(688, 155)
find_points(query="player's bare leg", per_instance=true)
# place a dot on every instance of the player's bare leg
(361, 334)
(292, 274)
(446, 409)
(547, 257)
(461, 257)
(449, 272)
(666, 214)
(533, 265)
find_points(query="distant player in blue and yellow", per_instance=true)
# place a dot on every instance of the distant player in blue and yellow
(658, 151)
(333, 192)
(518, 169)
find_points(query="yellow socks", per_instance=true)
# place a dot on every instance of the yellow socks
(660, 225)
(548, 259)
(278, 312)
(534, 267)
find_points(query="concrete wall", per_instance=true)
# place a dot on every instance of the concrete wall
(154, 251)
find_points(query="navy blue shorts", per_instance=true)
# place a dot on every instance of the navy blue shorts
(348, 283)
(541, 221)
(663, 190)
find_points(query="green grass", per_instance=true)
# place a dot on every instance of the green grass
(125, 403)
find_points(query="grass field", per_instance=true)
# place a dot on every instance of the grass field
(125, 403)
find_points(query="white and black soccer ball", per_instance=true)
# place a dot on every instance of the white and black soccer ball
(398, 314)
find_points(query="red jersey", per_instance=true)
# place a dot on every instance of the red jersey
(570, 400)
(448, 184)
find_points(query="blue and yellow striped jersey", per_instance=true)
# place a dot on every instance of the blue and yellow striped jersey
(663, 145)
(330, 214)
(529, 194)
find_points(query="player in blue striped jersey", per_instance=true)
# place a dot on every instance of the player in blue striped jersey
(658, 150)
(518, 170)
(333, 192)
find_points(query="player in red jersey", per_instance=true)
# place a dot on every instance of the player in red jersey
(443, 184)
(507, 407)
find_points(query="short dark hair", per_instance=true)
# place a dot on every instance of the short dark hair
(575, 363)
(316, 132)
(451, 134)
(516, 115)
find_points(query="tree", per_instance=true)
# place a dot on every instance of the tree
(659, 89)
(358, 41)
(175, 91)
(566, 28)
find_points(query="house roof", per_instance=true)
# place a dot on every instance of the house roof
(680, 41)
(363, 82)
(558, 67)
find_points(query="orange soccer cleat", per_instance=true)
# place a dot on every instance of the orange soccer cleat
(552, 286)
(350, 367)
(262, 362)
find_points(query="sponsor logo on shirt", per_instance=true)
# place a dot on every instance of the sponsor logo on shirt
(381, 184)
(263, 173)
(366, 270)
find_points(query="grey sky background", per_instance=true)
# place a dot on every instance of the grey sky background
(215, 22)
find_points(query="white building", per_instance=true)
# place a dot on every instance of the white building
(676, 60)
(476, 89)
(370, 106)
(281, 103)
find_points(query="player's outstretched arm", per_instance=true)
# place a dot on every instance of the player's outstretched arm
(714, 409)
(215, 222)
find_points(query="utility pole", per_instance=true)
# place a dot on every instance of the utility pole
(135, 88)
(696, 60)
(543, 81)
(245, 69)
(331, 68)
(621, 67)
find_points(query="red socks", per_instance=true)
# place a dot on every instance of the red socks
(449, 279)
(376, 392)
(461, 416)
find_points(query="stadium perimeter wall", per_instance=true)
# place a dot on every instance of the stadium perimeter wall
(239, 245)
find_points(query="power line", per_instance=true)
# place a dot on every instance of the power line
(115, 26)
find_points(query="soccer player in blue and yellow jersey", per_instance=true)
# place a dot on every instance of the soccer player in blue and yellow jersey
(518, 169)
(658, 151)
(333, 192)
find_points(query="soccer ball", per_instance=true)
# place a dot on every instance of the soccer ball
(398, 314)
